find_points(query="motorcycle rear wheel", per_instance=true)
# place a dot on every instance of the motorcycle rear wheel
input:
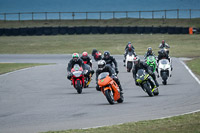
(109, 96)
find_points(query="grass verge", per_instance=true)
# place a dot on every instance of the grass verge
(181, 45)
(9, 67)
(194, 65)
(179, 124)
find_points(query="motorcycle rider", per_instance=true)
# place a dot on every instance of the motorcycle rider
(163, 45)
(96, 54)
(75, 60)
(163, 54)
(110, 60)
(142, 65)
(86, 59)
(102, 67)
(149, 53)
(129, 48)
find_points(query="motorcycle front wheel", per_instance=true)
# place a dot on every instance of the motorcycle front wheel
(147, 87)
(109, 96)
(79, 87)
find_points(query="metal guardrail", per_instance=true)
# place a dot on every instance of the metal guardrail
(164, 14)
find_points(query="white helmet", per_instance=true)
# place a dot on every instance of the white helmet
(101, 64)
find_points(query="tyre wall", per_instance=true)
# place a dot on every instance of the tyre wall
(38, 31)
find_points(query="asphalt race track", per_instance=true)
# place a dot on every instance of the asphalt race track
(41, 98)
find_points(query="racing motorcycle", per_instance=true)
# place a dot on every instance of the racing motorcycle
(97, 55)
(164, 70)
(151, 62)
(88, 75)
(78, 78)
(147, 83)
(129, 61)
(109, 88)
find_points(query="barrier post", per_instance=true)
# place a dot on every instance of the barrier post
(191, 30)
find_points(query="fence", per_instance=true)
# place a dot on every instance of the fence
(164, 14)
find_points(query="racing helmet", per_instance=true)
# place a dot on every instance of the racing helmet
(101, 64)
(84, 55)
(106, 54)
(136, 60)
(163, 41)
(129, 46)
(75, 57)
(149, 50)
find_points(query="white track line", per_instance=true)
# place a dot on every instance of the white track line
(193, 75)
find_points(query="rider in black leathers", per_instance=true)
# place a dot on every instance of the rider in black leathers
(163, 54)
(129, 48)
(75, 60)
(102, 67)
(110, 60)
(86, 58)
(149, 53)
(142, 65)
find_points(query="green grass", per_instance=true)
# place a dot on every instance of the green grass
(179, 124)
(111, 22)
(194, 65)
(9, 67)
(181, 45)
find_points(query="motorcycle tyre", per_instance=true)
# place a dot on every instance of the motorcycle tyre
(148, 89)
(156, 92)
(109, 96)
(121, 99)
(79, 87)
(164, 82)
(129, 66)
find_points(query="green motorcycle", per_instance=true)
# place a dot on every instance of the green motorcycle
(151, 61)
(146, 82)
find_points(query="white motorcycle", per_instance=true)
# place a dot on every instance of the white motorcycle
(164, 70)
(129, 61)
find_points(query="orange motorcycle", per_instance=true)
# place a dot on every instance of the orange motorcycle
(110, 88)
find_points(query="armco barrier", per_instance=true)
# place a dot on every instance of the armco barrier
(92, 30)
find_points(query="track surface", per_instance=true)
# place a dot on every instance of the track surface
(41, 98)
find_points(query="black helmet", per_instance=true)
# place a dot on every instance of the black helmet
(101, 64)
(106, 54)
(136, 60)
(149, 50)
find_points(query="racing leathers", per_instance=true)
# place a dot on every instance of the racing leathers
(87, 60)
(109, 61)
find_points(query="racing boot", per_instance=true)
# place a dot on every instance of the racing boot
(156, 82)
(120, 88)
